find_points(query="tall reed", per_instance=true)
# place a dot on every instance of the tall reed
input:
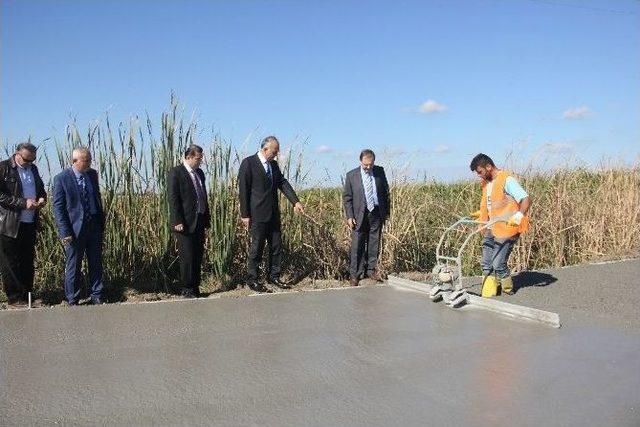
(577, 215)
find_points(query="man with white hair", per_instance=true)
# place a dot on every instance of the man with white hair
(77, 207)
(259, 180)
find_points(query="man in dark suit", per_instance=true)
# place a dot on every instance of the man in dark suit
(367, 206)
(22, 195)
(259, 179)
(77, 206)
(189, 216)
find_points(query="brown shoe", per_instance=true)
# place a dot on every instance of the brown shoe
(375, 276)
(354, 281)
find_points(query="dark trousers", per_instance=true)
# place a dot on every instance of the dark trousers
(89, 243)
(16, 264)
(365, 245)
(270, 233)
(191, 253)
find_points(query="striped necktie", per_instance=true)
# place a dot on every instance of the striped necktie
(368, 191)
(199, 192)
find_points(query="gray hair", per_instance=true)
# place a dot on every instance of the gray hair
(78, 151)
(26, 145)
(269, 139)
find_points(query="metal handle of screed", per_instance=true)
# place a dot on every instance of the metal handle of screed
(482, 225)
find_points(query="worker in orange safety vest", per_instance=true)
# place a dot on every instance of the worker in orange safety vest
(502, 197)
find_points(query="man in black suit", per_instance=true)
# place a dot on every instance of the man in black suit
(189, 216)
(259, 179)
(22, 195)
(367, 206)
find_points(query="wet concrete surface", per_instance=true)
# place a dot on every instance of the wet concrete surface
(606, 293)
(370, 356)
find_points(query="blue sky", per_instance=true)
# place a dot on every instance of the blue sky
(427, 84)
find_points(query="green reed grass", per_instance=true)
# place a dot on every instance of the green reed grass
(578, 215)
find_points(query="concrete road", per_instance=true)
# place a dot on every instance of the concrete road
(370, 356)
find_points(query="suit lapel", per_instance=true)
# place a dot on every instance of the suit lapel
(200, 174)
(71, 177)
(376, 182)
(93, 176)
(262, 171)
(201, 178)
(187, 176)
(358, 183)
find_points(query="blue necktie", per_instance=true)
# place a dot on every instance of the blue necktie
(368, 190)
(269, 177)
(84, 196)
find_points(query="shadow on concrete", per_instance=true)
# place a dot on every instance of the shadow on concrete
(526, 279)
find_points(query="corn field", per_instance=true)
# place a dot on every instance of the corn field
(578, 215)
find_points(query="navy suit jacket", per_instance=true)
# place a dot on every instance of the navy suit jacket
(67, 203)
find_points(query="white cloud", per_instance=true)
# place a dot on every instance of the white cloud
(577, 113)
(430, 106)
(442, 149)
(323, 149)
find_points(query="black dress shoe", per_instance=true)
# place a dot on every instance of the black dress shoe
(187, 293)
(279, 283)
(256, 286)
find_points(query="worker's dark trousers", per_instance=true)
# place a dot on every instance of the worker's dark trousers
(495, 255)
(16, 263)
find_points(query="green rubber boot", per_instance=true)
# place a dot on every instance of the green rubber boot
(507, 285)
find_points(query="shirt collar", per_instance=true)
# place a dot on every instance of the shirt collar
(76, 173)
(364, 172)
(262, 158)
(189, 169)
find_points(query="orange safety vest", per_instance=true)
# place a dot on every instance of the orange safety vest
(501, 205)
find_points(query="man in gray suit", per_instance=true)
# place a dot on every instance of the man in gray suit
(367, 206)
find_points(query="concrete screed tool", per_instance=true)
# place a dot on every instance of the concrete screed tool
(447, 273)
